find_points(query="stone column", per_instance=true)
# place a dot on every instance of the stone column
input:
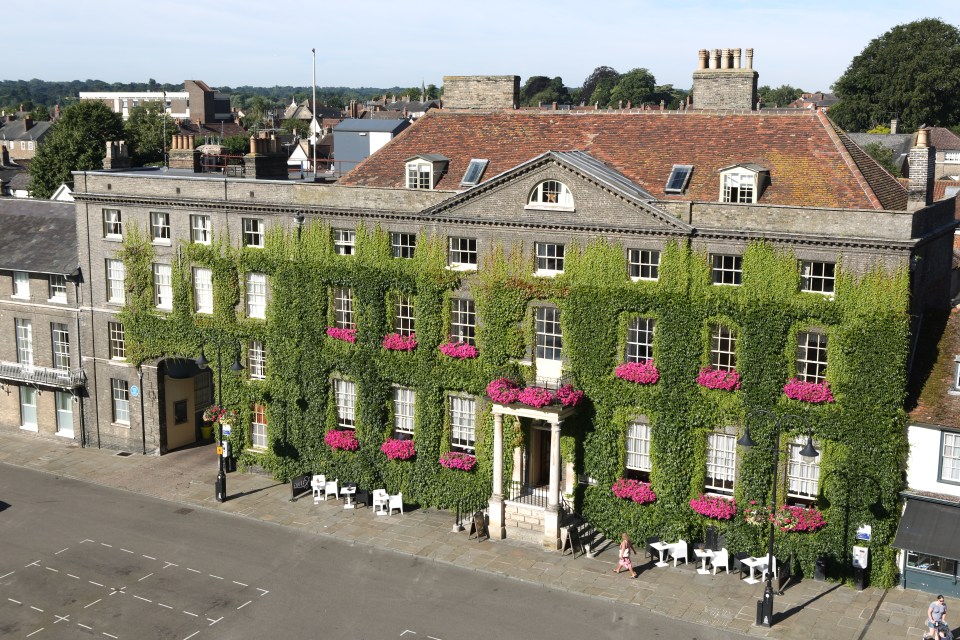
(497, 528)
(551, 516)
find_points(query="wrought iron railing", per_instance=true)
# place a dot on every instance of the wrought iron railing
(553, 383)
(46, 376)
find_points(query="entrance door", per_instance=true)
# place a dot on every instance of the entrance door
(64, 402)
(539, 454)
(181, 428)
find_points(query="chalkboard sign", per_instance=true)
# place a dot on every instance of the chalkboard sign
(479, 526)
(300, 485)
(570, 537)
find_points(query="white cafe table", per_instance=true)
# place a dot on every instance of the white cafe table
(754, 563)
(662, 547)
(347, 492)
(703, 554)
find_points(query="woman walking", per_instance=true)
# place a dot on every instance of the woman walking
(626, 550)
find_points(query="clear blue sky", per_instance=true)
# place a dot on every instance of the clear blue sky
(804, 43)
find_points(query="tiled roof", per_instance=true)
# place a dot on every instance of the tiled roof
(936, 359)
(15, 130)
(810, 163)
(39, 236)
(944, 139)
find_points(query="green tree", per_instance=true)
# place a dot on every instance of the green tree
(636, 86)
(672, 98)
(237, 145)
(299, 127)
(76, 143)
(144, 130)
(608, 75)
(543, 90)
(601, 95)
(40, 113)
(911, 72)
(884, 157)
(433, 93)
(781, 96)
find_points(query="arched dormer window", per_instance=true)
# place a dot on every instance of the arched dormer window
(551, 194)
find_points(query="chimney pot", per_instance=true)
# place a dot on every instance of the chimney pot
(736, 58)
(715, 59)
(893, 126)
(725, 59)
(703, 59)
(749, 58)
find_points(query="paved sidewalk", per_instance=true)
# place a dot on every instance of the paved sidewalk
(808, 609)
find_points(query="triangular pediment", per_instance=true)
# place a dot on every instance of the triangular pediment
(569, 188)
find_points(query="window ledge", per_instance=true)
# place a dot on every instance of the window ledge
(15, 297)
(462, 267)
(639, 279)
(540, 206)
(547, 273)
(29, 427)
(162, 243)
(725, 284)
(57, 300)
(113, 238)
(257, 450)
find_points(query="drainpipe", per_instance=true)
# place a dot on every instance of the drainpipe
(143, 426)
(75, 277)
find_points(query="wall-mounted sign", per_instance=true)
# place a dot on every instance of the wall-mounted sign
(864, 532)
(134, 390)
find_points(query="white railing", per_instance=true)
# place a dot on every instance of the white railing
(47, 376)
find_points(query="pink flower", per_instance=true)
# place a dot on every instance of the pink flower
(569, 397)
(798, 519)
(638, 372)
(717, 379)
(458, 460)
(459, 350)
(503, 391)
(812, 392)
(347, 335)
(536, 397)
(342, 440)
(714, 507)
(397, 342)
(639, 492)
(398, 449)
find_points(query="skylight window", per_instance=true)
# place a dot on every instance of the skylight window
(474, 172)
(679, 178)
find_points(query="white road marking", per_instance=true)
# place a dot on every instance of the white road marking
(191, 635)
(94, 602)
(14, 601)
(125, 550)
(120, 591)
(244, 604)
(73, 576)
(87, 540)
(107, 545)
(170, 564)
(217, 577)
(194, 570)
(165, 606)
(61, 618)
(213, 622)
(34, 563)
(190, 614)
(145, 577)
(406, 631)
(7, 574)
(432, 638)
(37, 631)
(149, 557)
(108, 635)
(84, 626)
(264, 591)
(61, 551)
(144, 599)
(240, 583)
(36, 608)
(96, 583)
(51, 569)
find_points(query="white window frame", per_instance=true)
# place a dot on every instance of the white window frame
(463, 435)
(58, 288)
(404, 408)
(403, 245)
(811, 356)
(818, 277)
(550, 194)
(345, 242)
(202, 290)
(721, 471)
(120, 394)
(726, 269)
(345, 399)
(723, 348)
(462, 254)
(163, 286)
(640, 333)
(254, 232)
(637, 446)
(21, 285)
(549, 333)
(63, 403)
(951, 156)
(419, 175)
(24, 334)
(643, 264)
(257, 360)
(738, 186)
(116, 274)
(112, 224)
(160, 227)
(256, 295)
(549, 257)
(803, 477)
(404, 315)
(258, 427)
(949, 470)
(201, 230)
(463, 321)
(60, 345)
(28, 408)
(116, 341)
(343, 308)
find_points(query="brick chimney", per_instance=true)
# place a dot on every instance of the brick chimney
(893, 126)
(720, 82)
(117, 156)
(27, 123)
(922, 166)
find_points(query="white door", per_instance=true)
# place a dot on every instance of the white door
(64, 414)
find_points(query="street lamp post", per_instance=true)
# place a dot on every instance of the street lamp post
(765, 606)
(221, 486)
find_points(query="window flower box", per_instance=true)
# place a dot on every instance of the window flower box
(639, 492)
(714, 507)
(717, 379)
(795, 519)
(459, 350)
(397, 342)
(398, 449)
(536, 397)
(341, 440)
(503, 391)
(457, 460)
(812, 392)
(638, 372)
(506, 391)
(346, 335)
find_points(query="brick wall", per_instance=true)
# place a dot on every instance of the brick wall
(725, 89)
(481, 92)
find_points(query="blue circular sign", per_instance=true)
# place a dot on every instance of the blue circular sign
(134, 391)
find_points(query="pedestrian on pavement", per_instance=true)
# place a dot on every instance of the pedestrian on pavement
(626, 550)
(936, 613)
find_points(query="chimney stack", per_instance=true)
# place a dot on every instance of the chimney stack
(27, 123)
(922, 168)
(893, 126)
(721, 83)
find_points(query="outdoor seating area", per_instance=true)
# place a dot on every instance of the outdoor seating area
(711, 556)
(355, 497)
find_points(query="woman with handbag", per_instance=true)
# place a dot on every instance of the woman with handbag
(626, 550)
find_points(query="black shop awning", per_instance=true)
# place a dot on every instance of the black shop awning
(930, 527)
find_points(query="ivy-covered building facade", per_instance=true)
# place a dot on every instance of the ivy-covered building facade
(560, 310)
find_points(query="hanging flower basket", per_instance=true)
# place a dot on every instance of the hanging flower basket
(568, 396)
(398, 449)
(215, 413)
(717, 379)
(798, 519)
(638, 372)
(459, 350)
(341, 440)
(812, 392)
(458, 460)
(346, 335)
(756, 516)
(639, 492)
(397, 342)
(714, 507)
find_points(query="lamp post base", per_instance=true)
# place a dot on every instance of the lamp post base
(765, 608)
(221, 487)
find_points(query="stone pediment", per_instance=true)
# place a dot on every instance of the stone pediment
(561, 189)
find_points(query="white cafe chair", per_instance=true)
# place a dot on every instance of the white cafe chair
(678, 551)
(318, 483)
(721, 559)
(380, 501)
(396, 502)
(330, 489)
(763, 574)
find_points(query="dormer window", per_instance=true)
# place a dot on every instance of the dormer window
(551, 194)
(425, 170)
(742, 184)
